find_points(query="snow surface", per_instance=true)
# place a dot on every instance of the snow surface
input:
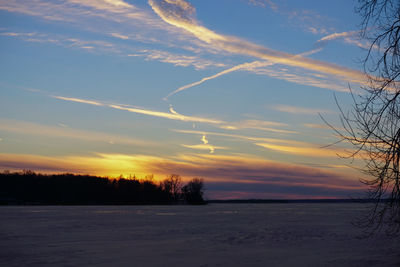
(212, 235)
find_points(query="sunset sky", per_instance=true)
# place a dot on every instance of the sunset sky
(225, 90)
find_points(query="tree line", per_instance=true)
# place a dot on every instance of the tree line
(28, 187)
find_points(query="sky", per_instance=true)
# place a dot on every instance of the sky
(231, 91)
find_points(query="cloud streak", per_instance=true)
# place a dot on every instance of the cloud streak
(205, 146)
(208, 147)
(283, 145)
(244, 66)
(300, 110)
(348, 37)
(336, 35)
(176, 59)
(249, 66)
(148, 112)
(124, 49)
(268, 126)
(78, 100)
(183, 18)
(243, 137)
(177, 20)
(76, 10)
(121, 20)
(316, 152)
(62, 131)
(264, 3)
(173, 115)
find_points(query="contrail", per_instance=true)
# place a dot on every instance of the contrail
(243, 66)
(182, 15)
(235, 68)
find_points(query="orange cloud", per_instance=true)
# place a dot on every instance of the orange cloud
(300, 110)
(311, 151)
(304, 151)
(222, 173)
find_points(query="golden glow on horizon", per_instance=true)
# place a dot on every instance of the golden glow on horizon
(256, 139)
(207, 166)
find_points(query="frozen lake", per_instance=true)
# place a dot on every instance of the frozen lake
(212, 235)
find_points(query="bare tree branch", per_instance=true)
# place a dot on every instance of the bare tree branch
(373, 126)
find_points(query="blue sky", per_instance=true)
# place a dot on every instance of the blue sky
(229, 91)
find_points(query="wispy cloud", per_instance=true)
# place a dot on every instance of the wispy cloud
(109, 47)
(208, 147)
(204, 139)
(119, 19)
(299, 110)
(18, 34)
(78, 100)
(205, 146)
(119, 35)
(264, 3)
(243, 66)
(172, 110)
(62, 125)
(178, 26)
(310, 151)
(65, 41)
(249, 66)
(166, 115)
(298, 76)
(174, 115)
(148, 112)
(76, 10)
(317, 126)
(269, 126)
(247, 138)
(177, 59)
(282, 145)
(115, 6)
(349, 37)
(337, 35)
(183, 18)
(62, 131)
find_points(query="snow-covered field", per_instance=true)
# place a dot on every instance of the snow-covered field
(212, 235)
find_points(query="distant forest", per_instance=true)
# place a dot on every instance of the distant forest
(28, 187)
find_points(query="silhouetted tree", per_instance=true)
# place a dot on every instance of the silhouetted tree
(28, 187)
(173, 185)
(193, 191)
(373, 126)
